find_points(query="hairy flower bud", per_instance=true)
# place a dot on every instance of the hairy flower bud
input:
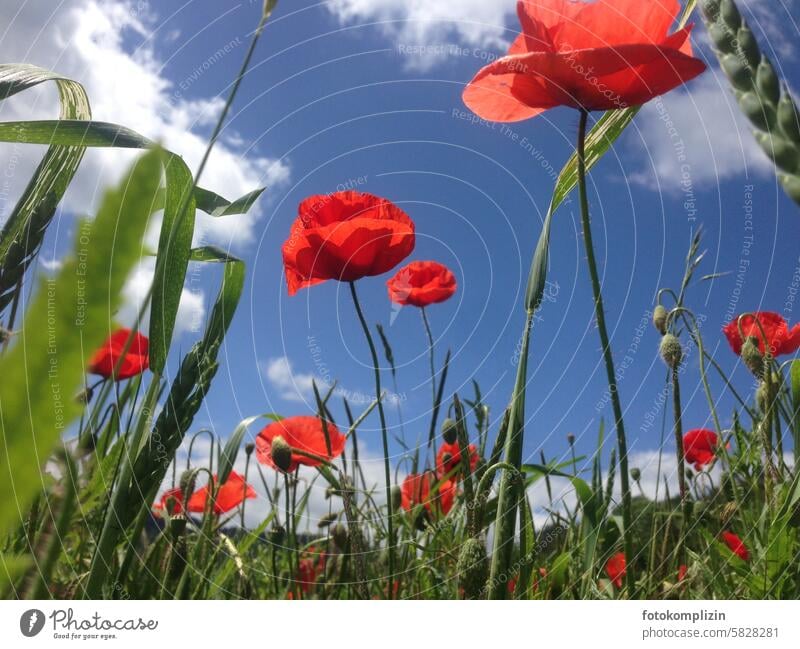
(281, 453)
(636, 474)
(449, 431)
(472, 568)
(328, 520)
(660, 319)
(671, 351)
(752, 356)
(339, 536)
(397, 498)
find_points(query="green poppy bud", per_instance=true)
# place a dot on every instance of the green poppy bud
(281, 453)
(396, 498)
(660, 319)
(636, 474)
(339, 536)
(752, 356)
(327, 520)
(671, 351)
(449, 431)
(472, 568)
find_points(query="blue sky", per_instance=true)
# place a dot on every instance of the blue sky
(366, 93)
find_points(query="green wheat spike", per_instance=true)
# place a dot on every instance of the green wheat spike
(762, 96)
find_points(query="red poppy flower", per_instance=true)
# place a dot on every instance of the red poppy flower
(449, 458)
(173, 497)
(781, 339)
(682, 570)
(736, 545)
(229, 496)
(416, 490)
(345, 236)
(309, 570)
(615, 568)
(304, 433)
(598, 56)
(699, 446)
(134, 362)
(421, 283)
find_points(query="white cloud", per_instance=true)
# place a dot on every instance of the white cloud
(477, 23)
(88, 40)
(292, 385)
(696, 138)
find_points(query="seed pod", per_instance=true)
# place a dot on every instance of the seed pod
(636, 474)
(249, 448)
(660, 319)
(752, 356)
(449, 431)
(281, 453)
(472, 568)
(571, 439)
(671, 351)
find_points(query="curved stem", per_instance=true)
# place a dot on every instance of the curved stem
(384, 435)
(622, 443)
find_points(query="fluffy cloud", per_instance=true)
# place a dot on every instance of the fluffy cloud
(420, 22)
(89, 41)
(292, 385)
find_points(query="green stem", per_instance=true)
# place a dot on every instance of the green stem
(508, 498)
(384, 435)
(430, 352)
(607, 355)
(678, 429)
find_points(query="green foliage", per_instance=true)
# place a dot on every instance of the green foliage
(66, 321)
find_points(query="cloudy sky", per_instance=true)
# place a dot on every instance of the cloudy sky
(366, 94)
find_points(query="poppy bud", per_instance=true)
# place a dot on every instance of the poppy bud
(671, 351)
(249, 448)
(397, 498)
(660, 319)
(728, 512)
(764, 397)
(339, 536)
(570, 439)
(449, 431)
(636, 474)
(84, 396)
(752, 356)
(471, 568)
(327, 520)
(188, 478)
(277, 534)
(281, 453)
